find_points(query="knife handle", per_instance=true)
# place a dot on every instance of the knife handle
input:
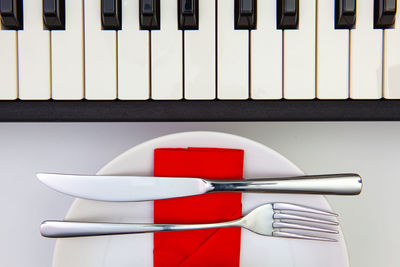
(333, 184)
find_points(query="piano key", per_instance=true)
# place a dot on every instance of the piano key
(8, 64)
(233, 55)
(11, 14)
(133, 55)
(54, 14)
(332, 54)
(299, 55)
(34, 54)
(345, 14)
(149, 14)
(385, 12)
(100, 55)
(391, 70)
(200, 55)
(166, 55)
(288, 14)
(189, 14)
(111, 14)
(245, 14)
(365, 55)
(266, 54)
(67, 55)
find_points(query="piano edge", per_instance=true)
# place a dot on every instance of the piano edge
(198, 110)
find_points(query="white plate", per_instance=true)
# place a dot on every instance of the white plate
(137, 250)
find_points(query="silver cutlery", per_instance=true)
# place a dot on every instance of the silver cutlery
(141, 188)
(273, 219)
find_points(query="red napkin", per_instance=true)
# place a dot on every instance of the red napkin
(210, 247)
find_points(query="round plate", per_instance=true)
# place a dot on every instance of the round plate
(137, 250)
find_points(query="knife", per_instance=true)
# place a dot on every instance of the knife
(141, 188)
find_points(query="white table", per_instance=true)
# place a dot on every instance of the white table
(369, 221)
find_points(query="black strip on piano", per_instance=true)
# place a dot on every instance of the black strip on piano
(198, 110)
(54, 14)
(188, 14)
(345, 14)
(150, 14)
(11, 12)
(384, 13)
(245, 14)
(111, 14)
(288, 14)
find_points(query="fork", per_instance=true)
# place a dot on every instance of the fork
(272, 219)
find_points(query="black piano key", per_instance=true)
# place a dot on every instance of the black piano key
(245, 14)
(288, 14)
(384, 13)
(11, 14)
(54, 14)
(188, 14)
(149, 14)
(345, 14)
(111, 14)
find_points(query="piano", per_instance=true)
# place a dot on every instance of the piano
(199, 60)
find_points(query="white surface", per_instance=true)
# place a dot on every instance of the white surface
(391, 67)
(133, 55)
(266, 54)
(369, 221)
(166, 55)
(34, 54)
(67, 55)
(233, 55)
(8, 64)
(259, 161)
(365, 55)
(332, 55)
(100, 55)
(299, 55)
(200, 55)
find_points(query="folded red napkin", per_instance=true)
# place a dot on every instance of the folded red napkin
(210, 247)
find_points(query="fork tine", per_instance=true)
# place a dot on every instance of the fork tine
(298, 236)
(293, 207)
(281, 225)
(284, 216)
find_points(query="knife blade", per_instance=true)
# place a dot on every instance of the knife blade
(142, 188)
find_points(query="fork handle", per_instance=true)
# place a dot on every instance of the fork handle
(334, 184)
(60, 229)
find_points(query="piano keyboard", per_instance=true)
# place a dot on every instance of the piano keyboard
(187, 50)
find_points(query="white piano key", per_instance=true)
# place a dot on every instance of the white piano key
(200, 55)
(67, 55)
(365, 55)
(166, 55)
(233, 55)
(266, 54)
(8, 65)
(100, 55)
(299, 55)
(34, 54)
(332, 55)
(133, 55)
(391, 82)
